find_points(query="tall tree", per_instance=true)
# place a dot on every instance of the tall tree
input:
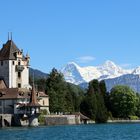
(122, 101)
(88, 106)
(93, 105)
(56, 89)
(76, 94)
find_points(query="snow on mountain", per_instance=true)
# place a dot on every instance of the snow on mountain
(136, 71)
(75, 74)
(109, 71)
(72, 73)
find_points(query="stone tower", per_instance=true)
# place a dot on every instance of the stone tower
(14, 66)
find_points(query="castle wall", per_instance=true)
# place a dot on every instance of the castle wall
(25, 77)
(12, 74)
(4, 71)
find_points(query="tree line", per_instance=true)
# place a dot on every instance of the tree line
(94, 102)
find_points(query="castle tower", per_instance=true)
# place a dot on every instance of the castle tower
(14, 66)
(34, 108)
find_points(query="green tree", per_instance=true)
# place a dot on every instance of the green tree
(122, 101)
(93, 105)
(88, 106)
(63, 96)
(40, 84)
(56, 88)
(137, 113)
(76, 95)
(105, 94)
(100, 92)
(102, 114)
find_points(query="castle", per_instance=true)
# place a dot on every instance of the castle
(20, 104)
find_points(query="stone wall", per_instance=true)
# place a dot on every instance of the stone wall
(62, 119)
(5, 120)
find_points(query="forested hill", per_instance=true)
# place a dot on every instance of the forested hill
(37, 74)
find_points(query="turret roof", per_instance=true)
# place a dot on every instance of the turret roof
(8, 51)
(33, 101)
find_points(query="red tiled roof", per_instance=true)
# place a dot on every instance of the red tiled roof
(33, 99)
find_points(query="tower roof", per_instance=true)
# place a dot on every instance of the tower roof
(8, 51)
(33, 101)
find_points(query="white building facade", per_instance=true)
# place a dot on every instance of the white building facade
(14, 66)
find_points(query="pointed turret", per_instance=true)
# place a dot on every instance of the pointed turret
(33, 99)
(9, 50)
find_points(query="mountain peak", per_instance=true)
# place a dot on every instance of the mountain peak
(137, 71)
(73, 63)
(76, 74)
(109, 63)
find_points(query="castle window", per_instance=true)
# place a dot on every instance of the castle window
(1, 63)
(19, 85)
(13, 62)
(19, 74)
(18, 62)
(43, 102)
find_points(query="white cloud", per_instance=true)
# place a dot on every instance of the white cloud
(85, 59)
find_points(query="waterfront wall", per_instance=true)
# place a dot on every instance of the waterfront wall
(62, 119)
(123, 121)
(5, 120)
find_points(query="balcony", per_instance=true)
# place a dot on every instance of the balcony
(19, 68)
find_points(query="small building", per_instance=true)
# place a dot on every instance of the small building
(18, 99)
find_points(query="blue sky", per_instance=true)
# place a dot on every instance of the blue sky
(88, 32)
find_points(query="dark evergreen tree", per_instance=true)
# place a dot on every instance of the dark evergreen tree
(105, 94)
(64, 97)
(76, 94)
(56, 89)
(93, 105)
(137, 113)
(89, 104)
(102, 114)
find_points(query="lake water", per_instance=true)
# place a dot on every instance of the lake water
(74, 132)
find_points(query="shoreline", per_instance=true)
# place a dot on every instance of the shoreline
(123, 121)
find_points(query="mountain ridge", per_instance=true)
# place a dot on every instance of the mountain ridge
(110, 72)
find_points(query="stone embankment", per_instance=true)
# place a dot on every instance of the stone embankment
(62, 119)
(5, 120)
(123, 121)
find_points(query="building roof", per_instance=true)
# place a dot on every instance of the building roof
(42, 94)
(13, 93)
(82, 117)
(8, 51)
(2, 84)
(33, 99)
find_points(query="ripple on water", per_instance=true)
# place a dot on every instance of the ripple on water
(74, 132)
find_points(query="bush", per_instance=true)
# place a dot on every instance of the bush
(133, 117)
(41, 118)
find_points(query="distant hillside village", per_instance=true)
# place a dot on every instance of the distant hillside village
(20, 103)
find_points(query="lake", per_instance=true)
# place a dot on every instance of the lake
(129, 131)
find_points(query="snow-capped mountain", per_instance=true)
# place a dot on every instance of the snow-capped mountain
(75, 74)
(110, 72)
(136, 71)
(72, 73)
